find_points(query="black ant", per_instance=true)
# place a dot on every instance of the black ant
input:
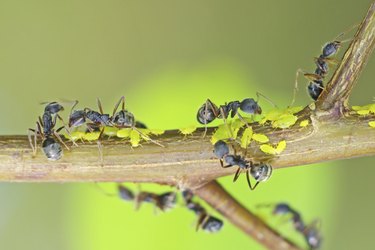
(260, 171)
(322, 62)
(45, 129)
(312, 235)
(125, 119)
(309, 232)
(206, 222)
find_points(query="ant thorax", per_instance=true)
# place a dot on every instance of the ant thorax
(98, 118)
(123, 119)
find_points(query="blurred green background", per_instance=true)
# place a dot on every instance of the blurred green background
(167, 57)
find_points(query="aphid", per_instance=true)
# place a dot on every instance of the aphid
(260, 171)
(304, 123)
(269, 149)
(45, 128)
(371, 124)
(188, 130)
(205, 221)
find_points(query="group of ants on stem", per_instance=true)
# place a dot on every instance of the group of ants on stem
(94, 120)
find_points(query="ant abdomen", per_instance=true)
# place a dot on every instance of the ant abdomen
(52, 149)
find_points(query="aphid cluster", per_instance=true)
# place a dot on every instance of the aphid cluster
(95, 123)
(206, 222)
(310, 232)
(259, 171)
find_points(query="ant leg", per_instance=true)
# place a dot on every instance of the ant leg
(213, 107)
(33, 147)
(65, 127)
(56, 133)
(223, 115)
(148, 138)
(237, 174)
(248, 180)
(99, 105)
(201, 220)
(222, 164)
(122, 99)
(266, 98)
(100, 147)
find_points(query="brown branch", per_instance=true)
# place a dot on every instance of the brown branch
(216, 196)
(188, 162)
(355, 58)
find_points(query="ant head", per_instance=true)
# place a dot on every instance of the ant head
(250, 106)
(261, 172)
(53, 108)
(77, 118)
(221, 149)
(125, 193)
(212, 224)
(123, 119)
(52, 149)
(206, 114)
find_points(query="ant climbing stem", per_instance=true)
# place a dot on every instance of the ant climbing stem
(323, 62)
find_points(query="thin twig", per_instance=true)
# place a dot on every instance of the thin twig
(219, 199)
(336, 94)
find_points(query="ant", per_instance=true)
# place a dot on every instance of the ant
(316, 86)
(125, 119)
(45, 128)
(260, 171)
(309, 232)
(312, 235)
(207, 222)
(209, 111)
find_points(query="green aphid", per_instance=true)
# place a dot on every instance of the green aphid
(75, 135)
(284, 121)
(91, 136)
(269, 149)
(304, 123)
(365, 110)
(277, 114)
(223, 132)
(110, 131)
(246, 137)
(188, 130)
(262, 138)
(157, 131)
(135, 138)
(371, 124)
(124, 133)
